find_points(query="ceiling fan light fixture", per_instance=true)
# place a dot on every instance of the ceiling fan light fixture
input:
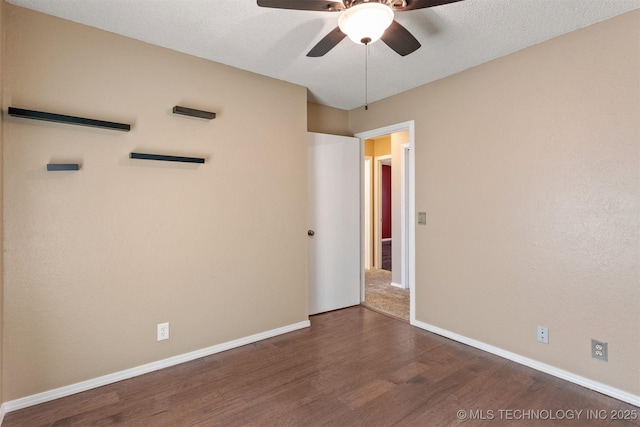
(366, 22)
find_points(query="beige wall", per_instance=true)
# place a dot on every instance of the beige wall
(95, 259)
(369, 149)
(528, 168)
(382, 146)
(323, 119)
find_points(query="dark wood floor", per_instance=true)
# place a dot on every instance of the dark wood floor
(353, 367)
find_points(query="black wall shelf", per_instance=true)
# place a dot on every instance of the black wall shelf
(60, 118)
(194, 113)
(54, 167)
(160, 157)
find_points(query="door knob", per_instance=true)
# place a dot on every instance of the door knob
(311, 232)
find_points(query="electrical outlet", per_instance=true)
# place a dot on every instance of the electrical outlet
(543, 334)
(599, 350)
(163, 331)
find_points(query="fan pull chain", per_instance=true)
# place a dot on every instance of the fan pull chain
(366, 76)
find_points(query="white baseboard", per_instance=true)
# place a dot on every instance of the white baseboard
(57, 393)
(397, 285)
(2, 412)
(551, 370)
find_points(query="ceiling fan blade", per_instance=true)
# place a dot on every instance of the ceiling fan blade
(400, 39)
(315, 5)
(421, 4)
(327, 43)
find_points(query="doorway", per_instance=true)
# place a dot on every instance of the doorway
(382, 204)
(386, 240)
(401, 277)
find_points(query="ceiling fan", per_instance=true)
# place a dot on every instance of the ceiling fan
(363, 21)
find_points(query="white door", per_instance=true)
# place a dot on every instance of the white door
(334, 221)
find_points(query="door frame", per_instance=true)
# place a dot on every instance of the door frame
(410, 206)
(368, 259)
(405, 151)
(377, 209)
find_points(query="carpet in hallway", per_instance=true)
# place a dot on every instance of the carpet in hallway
(382, 297)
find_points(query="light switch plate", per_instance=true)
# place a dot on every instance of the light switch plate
(422, 218)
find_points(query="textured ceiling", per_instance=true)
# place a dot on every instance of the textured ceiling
(274, 42)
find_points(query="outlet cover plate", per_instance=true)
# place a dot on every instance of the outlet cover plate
(599, 350)
(543, 334)
(163, 331)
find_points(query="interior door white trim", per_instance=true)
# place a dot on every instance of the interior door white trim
(404, 220)
(411, 229)
(377, 210)
(368, 160)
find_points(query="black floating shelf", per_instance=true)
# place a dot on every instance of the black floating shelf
(161, 157)
(194, 113)
(53, 167)
(60, 118)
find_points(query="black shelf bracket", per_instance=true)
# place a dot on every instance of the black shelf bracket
(54, 167)
(160, 157)
(60, 118)
(194, 113)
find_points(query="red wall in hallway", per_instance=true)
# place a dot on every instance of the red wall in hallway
(386, 201)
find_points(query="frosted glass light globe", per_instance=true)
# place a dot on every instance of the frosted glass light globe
(366, 22)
